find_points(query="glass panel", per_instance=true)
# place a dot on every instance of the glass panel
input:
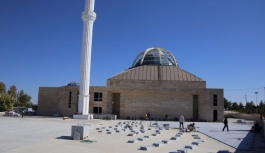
(96, 95)
(152, 57)
(95, 110)
(164, 61)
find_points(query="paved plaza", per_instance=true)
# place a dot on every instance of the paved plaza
(46, 134)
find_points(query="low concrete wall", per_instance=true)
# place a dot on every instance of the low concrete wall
(237, 115)
(101, 116)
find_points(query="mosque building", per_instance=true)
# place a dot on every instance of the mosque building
(154, 84)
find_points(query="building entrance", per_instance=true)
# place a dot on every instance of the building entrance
(116, 104)
(195, 107)
(214, 115)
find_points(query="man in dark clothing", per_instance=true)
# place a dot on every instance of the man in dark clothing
(256, 127)
(191, 127)
(148, 115)
(225, 124)
(22, 113)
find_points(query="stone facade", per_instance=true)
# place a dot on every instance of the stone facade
(158, 90)
(154, 84)
(56, 100)
(159, 98)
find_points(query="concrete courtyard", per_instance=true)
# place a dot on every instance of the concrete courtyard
(52, 135)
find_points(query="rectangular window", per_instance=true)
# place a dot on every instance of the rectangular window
(97, 96)
(70, 100)
(77, 96)
(97, 110)
(76, 109)
(215, 100)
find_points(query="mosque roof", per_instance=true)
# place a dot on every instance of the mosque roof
(154, 72)
(155, 64)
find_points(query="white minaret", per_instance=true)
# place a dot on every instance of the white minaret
(88, 16)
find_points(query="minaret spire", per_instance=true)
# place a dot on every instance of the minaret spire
(89, 6)
(88, 16)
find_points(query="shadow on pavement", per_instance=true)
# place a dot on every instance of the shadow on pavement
(65, 137)
(239, 130)
(247, 144)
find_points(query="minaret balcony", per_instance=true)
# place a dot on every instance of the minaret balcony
(89, 16)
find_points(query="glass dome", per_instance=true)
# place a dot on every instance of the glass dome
(73, 84)
(155, 56)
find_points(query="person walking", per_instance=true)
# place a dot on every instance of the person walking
(225, 124)
(22, 113)
(181, 121)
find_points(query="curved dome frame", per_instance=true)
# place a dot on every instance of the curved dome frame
(164, 57)
(73, 84)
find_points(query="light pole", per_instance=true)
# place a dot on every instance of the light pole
(256, 98)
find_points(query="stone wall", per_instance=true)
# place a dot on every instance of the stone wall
(159, 98)
(158, 104)
(137, 97)
(53, 100)
(102, 103)
(47, 101)
(160, 85)
(207, 107)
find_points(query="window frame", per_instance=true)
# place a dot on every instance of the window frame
(99, 110)
(98, 96)
(69, 99)
(215, 100)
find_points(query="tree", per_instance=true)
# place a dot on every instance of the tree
(261, 110)
(21, 92)
(29, 104)
(13, 91)
(229, 105)
(2, 88)
(17, 103)
(6, 102)
(247, 107)
(24, 100)
(261, 105)
(241, 106)
(250, 107)
(226, 104)
(253, 105)
(235, 106)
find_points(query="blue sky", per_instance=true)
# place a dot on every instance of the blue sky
(222, 42)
